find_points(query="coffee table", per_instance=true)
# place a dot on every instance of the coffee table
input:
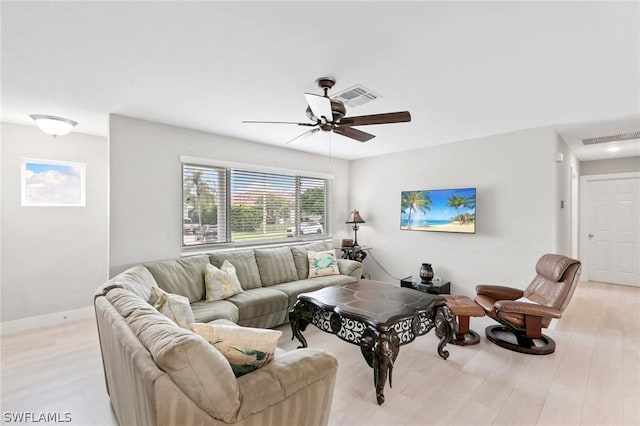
(376, 316)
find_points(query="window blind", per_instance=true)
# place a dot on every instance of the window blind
(204, 204)
(263, 205)
(229, 205)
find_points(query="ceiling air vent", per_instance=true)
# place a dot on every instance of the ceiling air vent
(356, 96)
(612, 138)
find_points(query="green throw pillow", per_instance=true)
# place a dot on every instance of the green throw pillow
(245, 348)
(322, 263)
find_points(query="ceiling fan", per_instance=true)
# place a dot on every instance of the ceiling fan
(328, 115)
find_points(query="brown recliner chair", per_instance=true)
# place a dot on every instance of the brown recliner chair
(523, 313)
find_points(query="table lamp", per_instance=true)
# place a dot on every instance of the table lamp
(355, 218)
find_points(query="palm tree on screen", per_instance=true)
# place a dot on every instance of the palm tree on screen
(415, 201)
(471, 205)
(457, 201)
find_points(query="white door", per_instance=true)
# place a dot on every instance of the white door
(613, 229)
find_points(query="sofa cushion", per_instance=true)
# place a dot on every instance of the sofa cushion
(331, 280)
(197, 368)
(300, 256)
(126, 302)
(259, 302)
(348, 267)
(245, 348)
(270, 320)
(292, 373)
(322, 263)
(137, 279)
(183, 276)
(222, 282)
(207, 311)
(310, 365)
(245, 263)
(172, 306)
(276, 265)
(294, 288)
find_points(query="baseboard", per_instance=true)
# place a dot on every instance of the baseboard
(14, 326)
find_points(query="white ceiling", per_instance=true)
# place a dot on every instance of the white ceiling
(463, 69)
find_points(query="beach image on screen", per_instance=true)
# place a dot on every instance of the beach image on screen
(439, 210)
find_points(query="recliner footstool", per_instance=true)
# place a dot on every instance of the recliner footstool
(464, 308)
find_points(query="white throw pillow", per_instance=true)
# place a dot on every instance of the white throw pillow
(173, 306)
(221, 283)
(245, 348)
(322, 263)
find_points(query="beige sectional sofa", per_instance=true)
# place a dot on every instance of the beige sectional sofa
(158, 373)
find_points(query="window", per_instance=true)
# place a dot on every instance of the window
(232, 205)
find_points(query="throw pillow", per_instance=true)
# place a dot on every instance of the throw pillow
(245, 348)
(322, 263)
(221, 283)
(173, 306)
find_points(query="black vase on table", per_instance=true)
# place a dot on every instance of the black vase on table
(426, 273)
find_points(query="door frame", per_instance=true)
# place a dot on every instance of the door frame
(584, 214)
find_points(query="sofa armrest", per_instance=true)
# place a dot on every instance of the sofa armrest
(497, 292)
(302, 398)
(288, 374)
(526, 308)
(351, 268)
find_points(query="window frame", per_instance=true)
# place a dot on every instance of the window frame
(229, 167)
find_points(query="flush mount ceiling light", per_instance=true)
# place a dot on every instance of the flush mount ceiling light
(54, 126)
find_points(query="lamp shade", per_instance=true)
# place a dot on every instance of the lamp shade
(354, 217)
(52, 125)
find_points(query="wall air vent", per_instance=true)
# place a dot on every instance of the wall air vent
(356, 96)
(612, 138)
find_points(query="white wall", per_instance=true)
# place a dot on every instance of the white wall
(614, 165)
(516, 179)
(146, 183)
(566, 201)
(53, 258)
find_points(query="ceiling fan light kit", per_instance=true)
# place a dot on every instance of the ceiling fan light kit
(328, 115)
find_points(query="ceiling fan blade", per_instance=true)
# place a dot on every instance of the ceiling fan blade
(305, 135)
(356, 134)
(390, 117)
(279, 122)
(320, 106)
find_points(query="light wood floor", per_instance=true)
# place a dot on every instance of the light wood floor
(593, 378)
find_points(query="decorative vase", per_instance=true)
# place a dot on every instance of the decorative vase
(426, 273)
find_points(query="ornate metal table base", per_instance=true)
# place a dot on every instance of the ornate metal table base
(379, 345)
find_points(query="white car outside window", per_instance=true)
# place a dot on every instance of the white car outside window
(306, 228)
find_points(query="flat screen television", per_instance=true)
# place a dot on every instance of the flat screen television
(439, 210)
